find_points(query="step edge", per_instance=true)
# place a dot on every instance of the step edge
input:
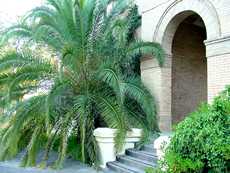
(141, 152)
(144, 162)
(124, 167)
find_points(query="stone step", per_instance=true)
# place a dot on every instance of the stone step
(148, 148)
(107, 170)
(135, 162)
(143, 155)
(123, 168)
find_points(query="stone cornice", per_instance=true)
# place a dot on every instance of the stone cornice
(218, 40)
(218, 47)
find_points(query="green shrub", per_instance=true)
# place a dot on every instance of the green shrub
(201, 142)
(153, 170)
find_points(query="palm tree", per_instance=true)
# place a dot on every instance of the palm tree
(84, 81)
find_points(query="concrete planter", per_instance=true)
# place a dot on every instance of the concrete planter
(105, 140)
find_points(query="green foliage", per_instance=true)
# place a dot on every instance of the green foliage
(74, 149)
(133, 23)
(153, 170)
(201, 141)
(82, 80)
(178, 164)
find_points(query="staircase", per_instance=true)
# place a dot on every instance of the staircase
(134, 161)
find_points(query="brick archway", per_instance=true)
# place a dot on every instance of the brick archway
(178, 97)
(164, 33)
(159, 80)
(177, 12)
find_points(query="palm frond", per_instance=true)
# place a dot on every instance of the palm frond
(134, 89)
(147, 48)
(16, 31)
(84, 79)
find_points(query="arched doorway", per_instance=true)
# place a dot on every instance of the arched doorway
(189, 67)
(164, 29)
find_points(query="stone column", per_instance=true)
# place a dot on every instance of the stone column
(158, 81)
(218, 62)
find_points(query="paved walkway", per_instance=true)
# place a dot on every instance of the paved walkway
(70, 166)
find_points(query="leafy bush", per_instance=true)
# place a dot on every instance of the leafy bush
(153, 170)
(201, 142)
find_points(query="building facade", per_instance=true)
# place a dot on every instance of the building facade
(195, 35)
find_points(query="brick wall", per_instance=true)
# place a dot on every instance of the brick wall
(218, 74)
(158, 80)
(189, 70)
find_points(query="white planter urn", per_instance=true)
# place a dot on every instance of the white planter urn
(105, 140)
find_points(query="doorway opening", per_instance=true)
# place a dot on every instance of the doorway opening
(189, 68)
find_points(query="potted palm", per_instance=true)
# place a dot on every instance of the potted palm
(85, 84)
